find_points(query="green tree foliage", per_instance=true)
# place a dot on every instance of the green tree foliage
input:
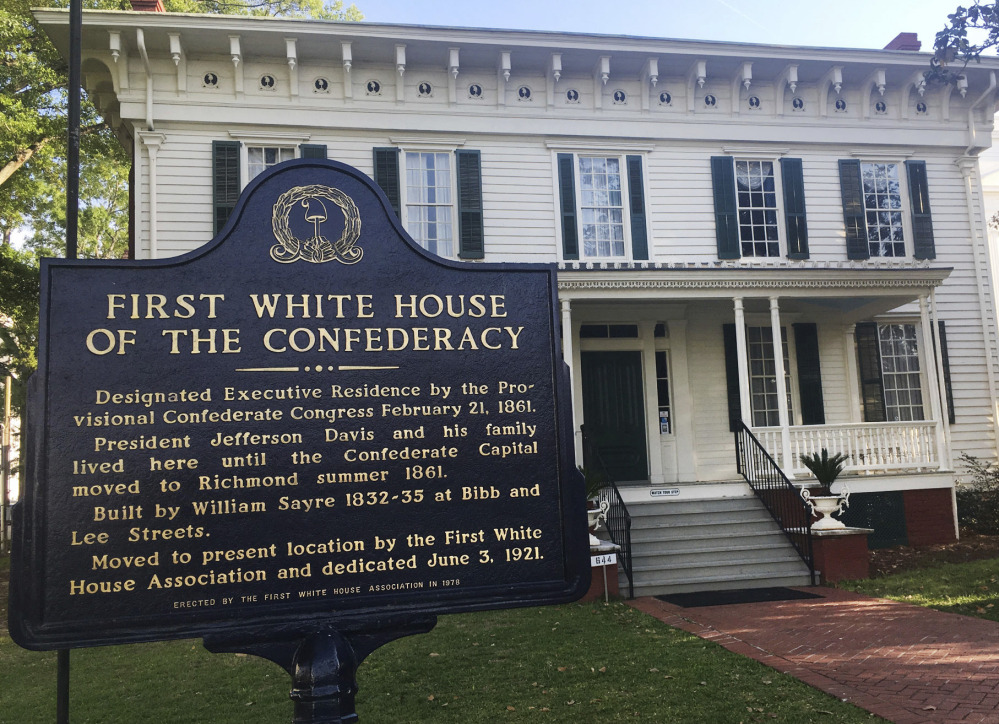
(978, 500)
(970, 32)
(318, 9)
(18, 319)
(33, 146)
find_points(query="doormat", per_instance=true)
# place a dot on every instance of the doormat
(741, 595)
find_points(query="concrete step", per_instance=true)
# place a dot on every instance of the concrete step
(668, 541)
(715, 583)
(777, 562)
(710, 544)
(701, 527)
(762, 550)
(708, 505)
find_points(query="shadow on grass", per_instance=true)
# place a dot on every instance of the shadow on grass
(570, 664)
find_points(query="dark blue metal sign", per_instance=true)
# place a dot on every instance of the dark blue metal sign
(310, 421)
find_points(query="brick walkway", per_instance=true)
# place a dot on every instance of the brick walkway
(905, 663)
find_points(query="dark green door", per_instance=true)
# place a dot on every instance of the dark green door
(614, 411)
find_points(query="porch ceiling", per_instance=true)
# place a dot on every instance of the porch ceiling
(854, 293)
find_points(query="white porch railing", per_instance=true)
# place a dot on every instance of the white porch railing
(869, 447)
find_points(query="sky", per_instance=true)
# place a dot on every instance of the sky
(838, 23)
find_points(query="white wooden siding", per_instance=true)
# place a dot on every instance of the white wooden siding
(520, 210)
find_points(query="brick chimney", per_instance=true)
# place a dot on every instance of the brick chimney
(152, 6)
(902, 41)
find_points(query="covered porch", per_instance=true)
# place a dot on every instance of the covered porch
(777, 346)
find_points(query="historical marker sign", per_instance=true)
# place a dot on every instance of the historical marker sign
(309, 421)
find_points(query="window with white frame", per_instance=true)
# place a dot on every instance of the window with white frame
(261, 158)
(601, 206)
(756, 195)
(900, 372)
(429, 201)
(882, 194)
(763, 376)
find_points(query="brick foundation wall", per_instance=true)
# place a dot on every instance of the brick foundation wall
(596, 591)
(929, 516)
(841, 558)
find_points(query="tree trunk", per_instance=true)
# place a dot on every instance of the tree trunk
(20, 159)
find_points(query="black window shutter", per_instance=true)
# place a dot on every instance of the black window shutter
(732, 377)
(806, 345)
(946, 370)
(312, 150)
(225, 180)
(794, 208)
(387, 174)
(852, 189)
(636, 190)
(726, 211)
(872, 390)
(470, 233)
(567, 205)
(922, 224)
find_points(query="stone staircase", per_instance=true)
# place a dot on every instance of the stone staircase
(711, 544)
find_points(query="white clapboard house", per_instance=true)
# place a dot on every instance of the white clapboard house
(790, 239)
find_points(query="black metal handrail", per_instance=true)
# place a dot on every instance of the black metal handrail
(618, 517)
(772, 487)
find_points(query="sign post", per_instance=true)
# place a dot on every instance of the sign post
(306, 439)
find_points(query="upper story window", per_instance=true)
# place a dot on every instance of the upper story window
(756, 195)
(751, 219)
(438, 196)
(261, 158)
(883, 209)
(234, 164)
(429, 201)
(602, 206)
(874, 209)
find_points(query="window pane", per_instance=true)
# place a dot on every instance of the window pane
(900, 372)
(882, 198)
(762, 376)
(601, 206)
(757, 208)
(428, 201)
(261, 158)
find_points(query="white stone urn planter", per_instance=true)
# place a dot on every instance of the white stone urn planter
(596, 516)
(827, 506)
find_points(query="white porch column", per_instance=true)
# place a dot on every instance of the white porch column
(779, 373)
(745, 405)
(647, 333)
(568, 358)
(567, 333)
(683, 399)
(931, 374)
(152, 143)
(948, 460)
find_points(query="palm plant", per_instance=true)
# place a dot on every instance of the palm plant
(825, 469)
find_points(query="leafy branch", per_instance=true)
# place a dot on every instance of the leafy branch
(970, 32)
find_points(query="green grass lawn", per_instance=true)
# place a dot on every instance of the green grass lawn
(970, 589)
(576, 663)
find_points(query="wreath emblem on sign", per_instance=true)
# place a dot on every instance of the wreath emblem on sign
(317, 249)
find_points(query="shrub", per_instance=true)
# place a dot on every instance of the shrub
(978, 500)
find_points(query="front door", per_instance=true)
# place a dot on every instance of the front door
(614, 412)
